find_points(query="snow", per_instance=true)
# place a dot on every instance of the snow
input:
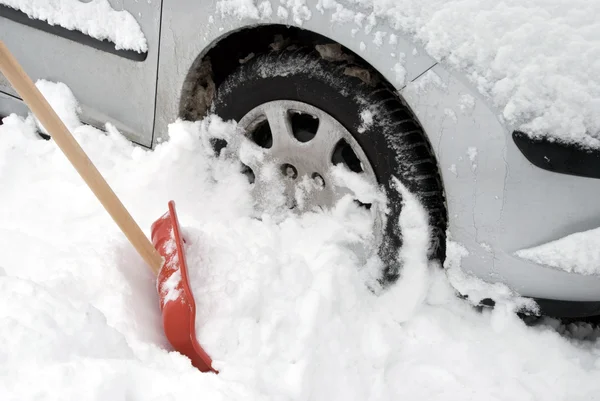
(427, 80)
(400, 71)
(362, 190)
(577, 253)
(67, 109)
(240, 9)
(453, 170)
(95, 18)
(289, 309)
(366, 120)
(450, 114)
(466, 103)
(169, 291)
(472, 153)
(282, 12)
(299, 9)
(265, 9)
(486, 246)
(535, 61)
(378, 39)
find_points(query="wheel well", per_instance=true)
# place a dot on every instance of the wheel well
(214, 65)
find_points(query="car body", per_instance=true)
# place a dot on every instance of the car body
(500, 195)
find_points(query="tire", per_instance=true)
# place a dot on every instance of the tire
(394, 142)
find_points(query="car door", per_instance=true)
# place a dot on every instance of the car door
(106, 51)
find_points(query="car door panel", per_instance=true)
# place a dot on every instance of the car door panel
(115, 85)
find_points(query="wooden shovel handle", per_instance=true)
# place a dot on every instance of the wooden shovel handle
(12, 70)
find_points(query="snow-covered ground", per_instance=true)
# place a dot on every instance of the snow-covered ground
(287, 307)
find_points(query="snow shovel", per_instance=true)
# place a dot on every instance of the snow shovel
(176, 300)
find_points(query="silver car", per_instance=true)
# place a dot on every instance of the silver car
(313, 95)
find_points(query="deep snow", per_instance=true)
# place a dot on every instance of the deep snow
(287, 306)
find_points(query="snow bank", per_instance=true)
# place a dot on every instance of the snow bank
(576, 253)
(537, 61)
(287, 308)
(95, 18)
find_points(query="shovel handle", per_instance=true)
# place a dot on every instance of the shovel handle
(30, 94)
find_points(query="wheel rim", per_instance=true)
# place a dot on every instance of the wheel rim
(290, 147)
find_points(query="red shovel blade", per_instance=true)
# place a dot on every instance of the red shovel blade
(176, 299)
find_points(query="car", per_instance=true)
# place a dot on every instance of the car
(317, 86)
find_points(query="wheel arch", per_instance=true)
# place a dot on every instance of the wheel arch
(225, 52)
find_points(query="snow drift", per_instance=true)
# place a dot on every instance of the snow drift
(287, 308)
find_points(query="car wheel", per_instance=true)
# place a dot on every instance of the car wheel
(310, 114)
